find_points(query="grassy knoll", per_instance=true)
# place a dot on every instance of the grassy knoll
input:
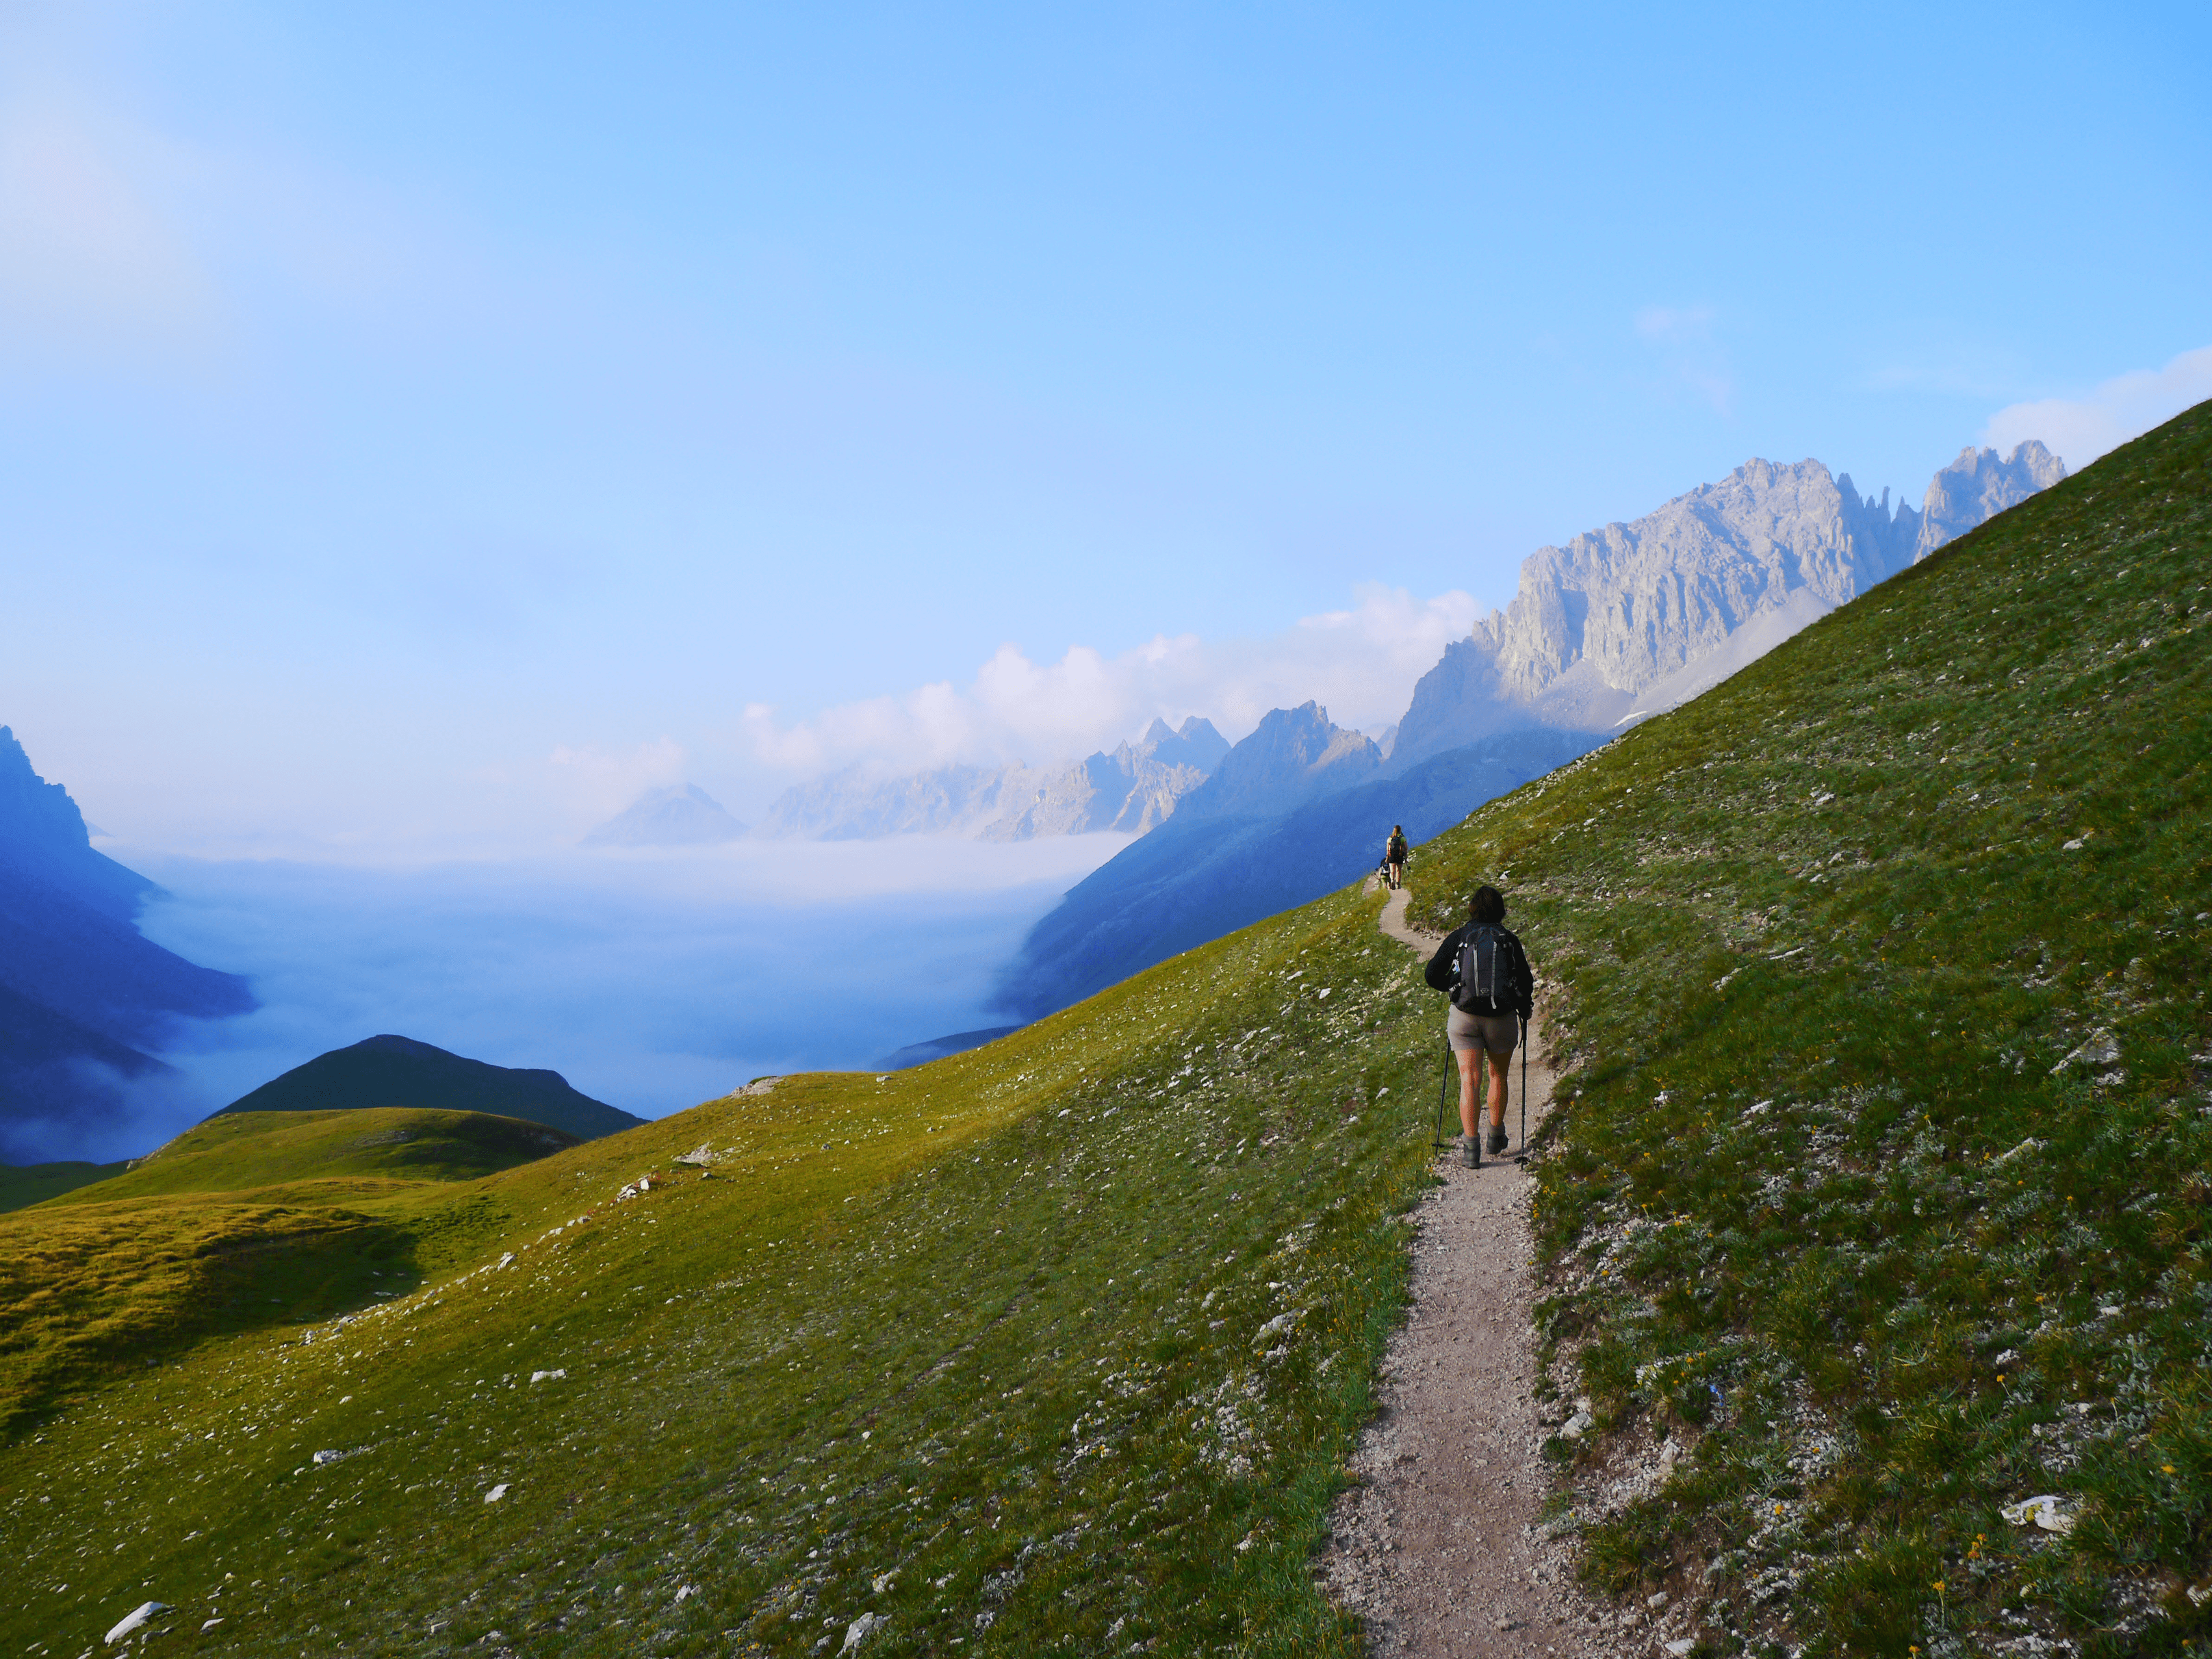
(1883, 1189)
(241, 1151)
(236, 1224)
(25, 1184)
(1058, 1342)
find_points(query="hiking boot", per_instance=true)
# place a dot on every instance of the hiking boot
(1470, 1152)
(1497, 1140)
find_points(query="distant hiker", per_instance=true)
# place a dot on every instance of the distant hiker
(1394, 857)
(1486, 972)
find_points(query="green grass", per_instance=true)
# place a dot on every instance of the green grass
(246, 1150)
(1060, 1342)
(238, 1222)
(1831, 1205)
(22, 1185)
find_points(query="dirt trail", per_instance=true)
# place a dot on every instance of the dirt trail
(1439, 1548)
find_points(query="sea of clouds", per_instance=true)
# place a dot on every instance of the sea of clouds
(650, 980)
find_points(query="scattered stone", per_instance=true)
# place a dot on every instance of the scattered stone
(548, 1377)
(495, 1493)
(323, 1457)
(882, 1581)
(2043, 1510)
(860, 1628)
(685, 1593)
(137, 1618)
(2100, 1050)
(211, 1625)
(1682, 1646)
(1657, 1601)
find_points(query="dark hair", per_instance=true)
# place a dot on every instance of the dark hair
(1397, 828)
(1488, 905)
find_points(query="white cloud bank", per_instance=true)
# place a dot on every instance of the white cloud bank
(2080, 429)
(1360, 664)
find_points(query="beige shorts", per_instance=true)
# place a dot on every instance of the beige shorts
(1493, 1032)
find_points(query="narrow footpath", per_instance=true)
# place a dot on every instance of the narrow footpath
(1439, 1548)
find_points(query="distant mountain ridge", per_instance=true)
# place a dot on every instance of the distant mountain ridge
(677, 815)
(397, 1071)
(1131, 789)
(83, 995)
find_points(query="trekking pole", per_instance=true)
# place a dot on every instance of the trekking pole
(1524, 1088)
(1443, 1084)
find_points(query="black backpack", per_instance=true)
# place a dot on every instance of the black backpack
(1485, 984)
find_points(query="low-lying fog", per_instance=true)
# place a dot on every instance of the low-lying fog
(651, 980)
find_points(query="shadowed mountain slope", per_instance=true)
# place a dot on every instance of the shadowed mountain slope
(83, 995)
(1203, 874)
(397, 1071)
(25, 1184)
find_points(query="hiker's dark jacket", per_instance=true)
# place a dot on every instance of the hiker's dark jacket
(1443, 971)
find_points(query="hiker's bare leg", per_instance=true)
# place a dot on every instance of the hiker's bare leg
(1498, 1066)
(1469, 1060)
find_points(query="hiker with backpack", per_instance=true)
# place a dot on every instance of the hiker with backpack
(1486, 971)
(1394, 858)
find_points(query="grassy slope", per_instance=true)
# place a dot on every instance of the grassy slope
(1831, 1205)
(243, 1151)
(235, 1223)
(990, 1348)
(25, 1184)
(1060, 1338)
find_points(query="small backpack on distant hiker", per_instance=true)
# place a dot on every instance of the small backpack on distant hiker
(1486, 982)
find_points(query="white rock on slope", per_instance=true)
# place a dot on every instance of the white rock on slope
(137, 1618)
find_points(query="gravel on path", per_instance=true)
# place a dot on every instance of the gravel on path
(1439, 1548)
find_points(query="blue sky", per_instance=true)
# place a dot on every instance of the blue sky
(422, 427)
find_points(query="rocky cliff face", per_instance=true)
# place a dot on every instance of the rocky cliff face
(1618, 610)
(1977, 486)
(84, 997)
(1637, 617)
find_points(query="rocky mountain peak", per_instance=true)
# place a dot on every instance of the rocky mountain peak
(1637, 617)
(1293, 756)
(1979, 485)
(35, 813)
(674, 815)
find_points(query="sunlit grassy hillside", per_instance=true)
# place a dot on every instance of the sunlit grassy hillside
(1880, 1197)
(1060, 1340)
(242, 1151)
(1884, 1191)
